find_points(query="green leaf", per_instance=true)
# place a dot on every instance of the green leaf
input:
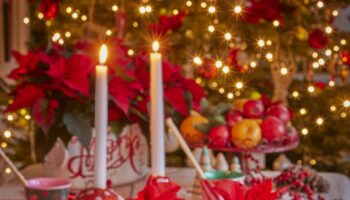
(78, 125)
(203, 127)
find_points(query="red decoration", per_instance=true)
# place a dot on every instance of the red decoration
(273, 129)
(232, 117)
(281, 112)
(317, 39)
(27, 64)
(159, 188)
(258, 10)
(345, 57)
(167, 23)
(253, 109)
(49, 8)
(96, 193)
(208, 69)
(219, 136)
(233, 60)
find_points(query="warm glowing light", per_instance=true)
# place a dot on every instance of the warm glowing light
(83, 18)
(314, 54)
(284, 71)
(40, 15)
(56, 37)
(103, 54)
(69, 10)
(27, 117)
(115, 8)
(230, 95)
(109, 32)
(135, 24)
(336, 48)
(61, 41)
(269, 56)
(321, 61)
(268, 42)
(3, 145)
(211, 9)
(218, 64)
(313, 162)
(225, 69)
(26, 20)
(131, 52)
(343, 115)
(214, 84)
(328, 52)
(198, 80)
(343, 42)
(155, 46)
(315, 65)
(7, 133)
(203, 5)
(197, 60)
(331, 83)
(346, 103)
(335, 13)
(148, 8)
(311, 89)
(8, 170)
(188, 3)
(228, 36)
(253, 64)
(239, 85)
(211, 28)
(303, 111)
(333, 108)
(221, 90)
(295, 94)
(237, 9)
(261, 43)
(304, 131)
(75, 15)
(175, 12)
(329, 30)
(68, 34)
(320, 4)
(319, 121)
(142, 9)
(10, 117)
(276, 23)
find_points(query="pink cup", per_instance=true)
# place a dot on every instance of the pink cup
(47, 188)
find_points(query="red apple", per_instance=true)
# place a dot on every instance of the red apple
(219, 136)
(232, 117)
(292, 135)
(253, 109)
(273, 129)
(279, 111)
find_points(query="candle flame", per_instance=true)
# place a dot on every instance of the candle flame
(103, 54)
(155, 46)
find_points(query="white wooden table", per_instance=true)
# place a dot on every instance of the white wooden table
(339, 184)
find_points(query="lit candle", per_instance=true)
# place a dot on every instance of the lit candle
(101, 123)
(157, 114)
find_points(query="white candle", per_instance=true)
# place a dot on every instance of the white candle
(101, 123)
(157, 114)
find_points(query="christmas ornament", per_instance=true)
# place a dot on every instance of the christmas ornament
(98, 194)
(246, 134)
(301, 33)
(189, 131)
(221, 163)
(317, 39)
(272, 129)
(345, 57)
(256, 11)
(253, 109)
(237, 58)
(219, 136)
(49, 8)
(279, 111)
(208, 69)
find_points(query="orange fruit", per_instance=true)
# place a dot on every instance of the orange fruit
(238, 104)
(190, 133)
(246, 134)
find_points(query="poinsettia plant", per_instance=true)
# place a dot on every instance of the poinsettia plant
(56, 85)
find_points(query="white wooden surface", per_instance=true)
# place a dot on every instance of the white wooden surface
(340, 185)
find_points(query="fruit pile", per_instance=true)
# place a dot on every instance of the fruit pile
(247, 124)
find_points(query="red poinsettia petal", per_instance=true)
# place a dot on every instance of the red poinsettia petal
(230, 190)
(44, 112)
(25, 96)
(49, 8)
(115, 113)
(175, 96)
(261, 191)
(159, 188)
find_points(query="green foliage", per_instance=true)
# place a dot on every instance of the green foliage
(78, 125)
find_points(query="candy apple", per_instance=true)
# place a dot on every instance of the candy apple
(238, 104)
(189, 131)
(232, 117)
(273, 129)
(219, 136)
(253, 109)
(246, 134)
(279, 111)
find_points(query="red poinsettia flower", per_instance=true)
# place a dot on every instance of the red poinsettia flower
(167, 23)
(28, 64)
(26, 95)
(115, 113)
(49, 8)
(159, 188)
(258, 10)
(317, 39)
(43, 111)
(71, 75)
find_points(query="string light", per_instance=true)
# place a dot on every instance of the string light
(303, 111)
(26, 20)
(61, 41)
(75, 15)
(7, 133)
(261, 43)
(211, 9)
(328, 52)
(131, 52)
(27, 117)
(228, 36)
(331, 83)
(3, 145)
(8, 170)
(284, 71)
(253, 64)
(268, 42)
(315, 65)
(109, 32)
(336, 48)
(197, 60)
(203, 5)
(221, 90)
(335, 13)
(239, 85)
(142, 10)
(328, 30)
(333, 108)
(237, 9)
(188, 3)
(40, 15)
(135, 24)
(148, 9)
(68, 34)
(83, 18)
(214, 84)
(320, 4)
(269, 56)
(319, 121)
(321, 61)
(230, 95)
(313, 162)
(218, 64)
(346, 103)
(56, 37)
(343, 115)
(225, 69)
(343, 42)
(198, 80)
(276, 23)
(175, 12)
(295, 94)
(304, 131)
(10, 118)
(69, 10)
(211, 28)
(311, 89)
(115, 8)
(314, 54)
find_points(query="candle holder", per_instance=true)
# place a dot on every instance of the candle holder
(98, 194)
